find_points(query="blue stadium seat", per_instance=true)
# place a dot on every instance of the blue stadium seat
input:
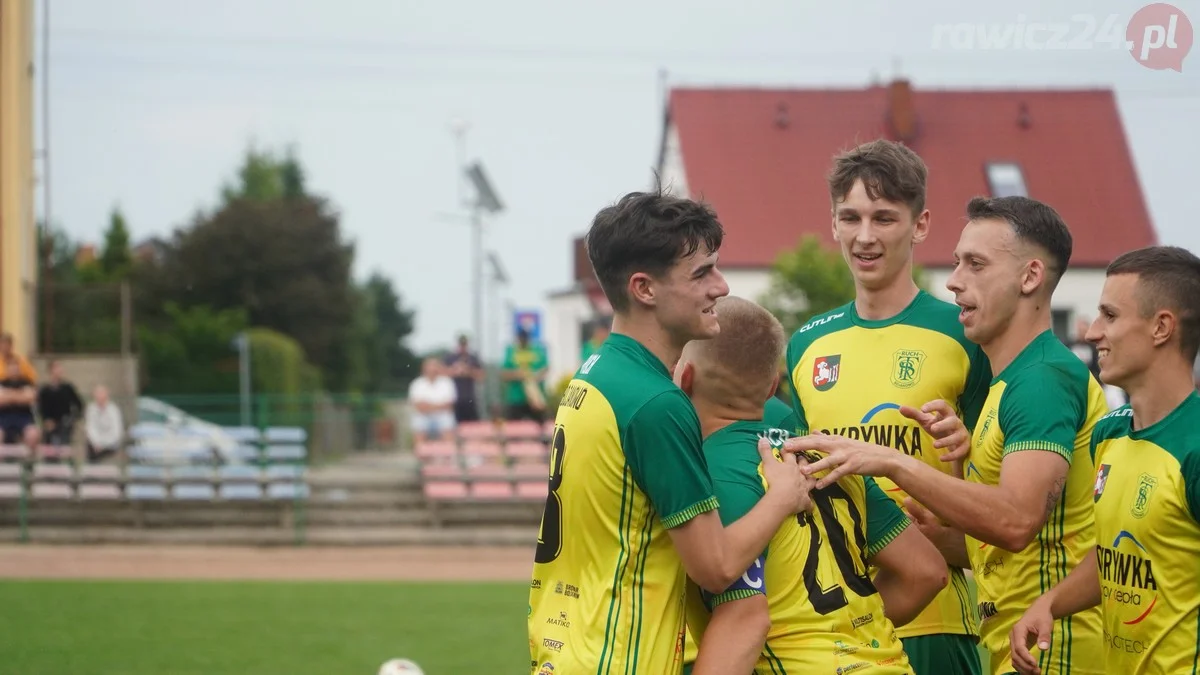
(285, 435)
(287, 453)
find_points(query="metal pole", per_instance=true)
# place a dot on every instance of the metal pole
(46, 112)
(477, 253)
(244, 367)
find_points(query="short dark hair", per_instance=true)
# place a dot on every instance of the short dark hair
(1033, 223)
(647, 232)
(887, 169)
(1168, 278)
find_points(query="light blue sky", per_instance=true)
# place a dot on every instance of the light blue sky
(153, 101)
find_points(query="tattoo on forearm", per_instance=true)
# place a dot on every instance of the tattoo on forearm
(1053, 496)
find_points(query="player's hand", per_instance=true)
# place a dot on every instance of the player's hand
(1035, 627)
(785, 475)
(930, 525)
(843, 457)
(939, 420)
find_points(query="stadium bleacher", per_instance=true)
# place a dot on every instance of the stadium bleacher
(487, 462)
(163, 463)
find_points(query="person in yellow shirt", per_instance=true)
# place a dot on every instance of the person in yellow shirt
(1025, 504)
(1143, 573)
(854, 369)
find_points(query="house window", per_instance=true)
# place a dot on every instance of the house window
(1006, 180)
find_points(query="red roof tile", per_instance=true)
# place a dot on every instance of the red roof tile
(767, 180)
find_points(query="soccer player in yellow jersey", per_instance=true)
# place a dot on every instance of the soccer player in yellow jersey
(808, 604)
(860, 369)
(1026, 504)
(1144, 572)
(631, 504)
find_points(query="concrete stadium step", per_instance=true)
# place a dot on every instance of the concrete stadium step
(356, 516)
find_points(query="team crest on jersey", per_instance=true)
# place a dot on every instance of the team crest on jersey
(825, 372)
(1101, 481)
(1141, 499)
(906, 367)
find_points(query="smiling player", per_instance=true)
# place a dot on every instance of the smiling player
(1143, 573)
(861, 369)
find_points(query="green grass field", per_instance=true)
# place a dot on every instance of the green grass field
(260, 628)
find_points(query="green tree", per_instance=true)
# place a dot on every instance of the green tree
(191, 351)
(806, 281)
(263, 177)
(391, 365)
(116, 258)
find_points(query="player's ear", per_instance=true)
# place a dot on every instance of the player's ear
(1033, 276)
(641, 289)
(774, 386)
(685, 376)
(921, 227)
(1164, 325)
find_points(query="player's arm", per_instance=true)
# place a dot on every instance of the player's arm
(663, 450)
(911, 570)
(1080, 590)
(1039, 420)
(950, 541)
(734, 638)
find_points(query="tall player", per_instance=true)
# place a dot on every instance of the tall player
(859, 369)
(631, 504)
(1026, 503)
(808, 604)
(1143, 572)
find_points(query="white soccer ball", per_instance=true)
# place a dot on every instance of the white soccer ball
(400, 667)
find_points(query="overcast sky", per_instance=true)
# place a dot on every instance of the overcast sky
(153, 102)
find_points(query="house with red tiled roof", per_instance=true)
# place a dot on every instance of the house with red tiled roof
(760, 158)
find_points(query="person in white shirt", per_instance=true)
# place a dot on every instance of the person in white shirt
(104, 426)
(431, 397)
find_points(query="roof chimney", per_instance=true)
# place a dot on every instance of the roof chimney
(783, 118)
(1024, 119)
(901, 115)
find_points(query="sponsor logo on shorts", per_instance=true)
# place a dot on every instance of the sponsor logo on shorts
(859, 665)
(552, 645)
(547, 669)
(561, 621)
(535, 584)
(862, 620)
(843, 648)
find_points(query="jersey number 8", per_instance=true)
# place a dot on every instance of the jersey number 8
(550, 536)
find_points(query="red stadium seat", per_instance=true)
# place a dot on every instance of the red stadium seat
(442, 489)
(492, 490)
(522, 429)
(531, 490)
(527, 450)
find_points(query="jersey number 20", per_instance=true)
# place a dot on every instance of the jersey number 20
(550, 537)
(833, 598)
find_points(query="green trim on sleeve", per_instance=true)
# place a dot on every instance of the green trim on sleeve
(1044, 446)
(881, 543)
(730, 596)
(680, 517)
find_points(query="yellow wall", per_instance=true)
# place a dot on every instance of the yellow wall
(18, 231)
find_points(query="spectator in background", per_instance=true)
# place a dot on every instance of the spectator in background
(467, 371)
(60, 407)
(104, 426)
(600, 330)
(7, 353)
(17, 397)
(432, 397)
(525, 379)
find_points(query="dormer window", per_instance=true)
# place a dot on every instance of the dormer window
(1006, 180)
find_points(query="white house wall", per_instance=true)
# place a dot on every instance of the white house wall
(565, 315)
(671, 173)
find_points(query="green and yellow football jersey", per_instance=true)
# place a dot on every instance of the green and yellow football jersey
(1147, 501)
(1045, 400)
(850, 376)
(776, 415)
(826, 615)
(626, 464)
